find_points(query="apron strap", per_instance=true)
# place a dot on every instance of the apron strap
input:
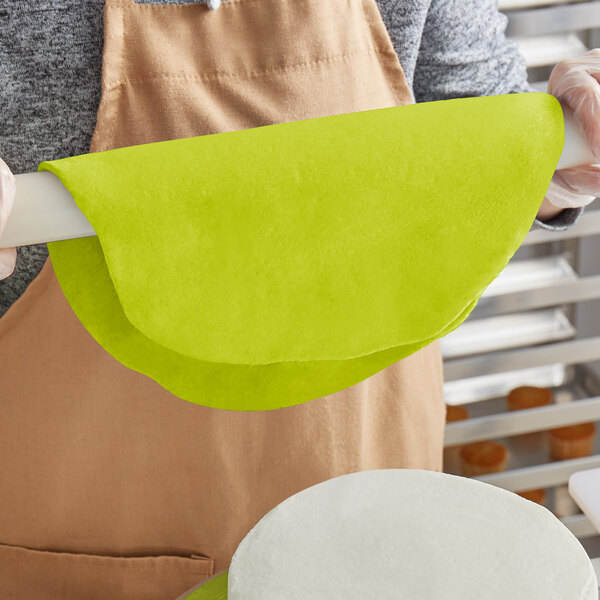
(118, 3)
(212, 4)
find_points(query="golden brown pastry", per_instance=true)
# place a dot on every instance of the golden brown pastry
(575, 441)
(480, 458)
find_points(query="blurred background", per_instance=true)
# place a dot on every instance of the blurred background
(523, 372)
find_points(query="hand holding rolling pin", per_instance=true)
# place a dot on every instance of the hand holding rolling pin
(576, 84)
(8, 256)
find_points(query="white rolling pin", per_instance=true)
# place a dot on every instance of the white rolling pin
(44, 210)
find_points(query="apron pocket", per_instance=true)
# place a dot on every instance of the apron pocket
(27, 573)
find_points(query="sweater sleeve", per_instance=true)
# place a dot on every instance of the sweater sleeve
(464, 53)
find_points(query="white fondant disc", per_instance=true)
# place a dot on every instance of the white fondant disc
(397, 534)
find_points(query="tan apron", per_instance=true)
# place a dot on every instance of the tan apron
(110, 487)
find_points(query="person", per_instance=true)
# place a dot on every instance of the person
(446, 64)
(102, 471)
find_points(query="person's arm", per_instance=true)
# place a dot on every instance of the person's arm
(464, 53)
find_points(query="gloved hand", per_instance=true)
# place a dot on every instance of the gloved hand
(576, 84)
(8, 256)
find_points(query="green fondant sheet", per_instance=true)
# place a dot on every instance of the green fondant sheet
(214, 589)
(262, 268)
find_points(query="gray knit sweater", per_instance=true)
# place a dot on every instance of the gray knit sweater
(51, 65)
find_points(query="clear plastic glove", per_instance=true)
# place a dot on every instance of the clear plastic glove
(576, 84)
(8, 256)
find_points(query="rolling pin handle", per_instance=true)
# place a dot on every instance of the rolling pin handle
(576, 151)
(43, 211)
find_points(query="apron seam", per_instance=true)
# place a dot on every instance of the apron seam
(385, 47)
(123, 41)
(103, 111)
(247, 75)
(134, 5)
